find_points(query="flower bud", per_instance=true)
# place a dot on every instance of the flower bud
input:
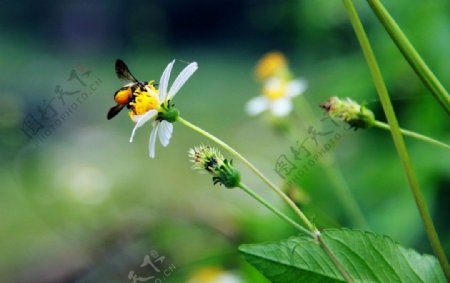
(349, 111)
(210, 160)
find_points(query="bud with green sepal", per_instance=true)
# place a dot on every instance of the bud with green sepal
(209, 159)
(347, 110)
(358, 116)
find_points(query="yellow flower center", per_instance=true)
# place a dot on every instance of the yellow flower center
(206, 274)
(271, 64)
(274, 89)
(145, 100)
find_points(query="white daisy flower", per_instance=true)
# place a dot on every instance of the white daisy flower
(276, 96)
(158, 108)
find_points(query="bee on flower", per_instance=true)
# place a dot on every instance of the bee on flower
(279, 87)
(147, 103)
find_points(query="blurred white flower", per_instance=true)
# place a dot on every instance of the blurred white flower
(158, 107)
(276, 96)
(86, 184)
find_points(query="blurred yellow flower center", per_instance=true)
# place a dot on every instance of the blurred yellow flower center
(145, 100)
(271, 64)
(274, 89)
(206, 275)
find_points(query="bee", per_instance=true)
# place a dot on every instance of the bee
(124, 96)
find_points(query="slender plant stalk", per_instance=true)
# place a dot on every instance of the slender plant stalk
(312, 229)
(338, 181)
(314, 234)
(411, 55)
(412, 134)
(397, 137)
(253, 194)
(336, 262)
(279, 192)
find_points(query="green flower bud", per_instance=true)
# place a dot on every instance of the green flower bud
(210, 160)
(349, 111)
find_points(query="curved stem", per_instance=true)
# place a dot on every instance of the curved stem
(397, 137)
(412, 134)
(333, 258)
(313, 232)
(279, 192)
(411, 55)
(253, 194)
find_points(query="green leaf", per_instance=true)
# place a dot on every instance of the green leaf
(366, 256)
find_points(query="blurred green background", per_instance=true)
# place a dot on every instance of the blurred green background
(79, 203)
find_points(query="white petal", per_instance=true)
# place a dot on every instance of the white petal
(142, 119)
(181, 79)
(273, 84)
(296, 87)
(136, 118)
(165, 132)
(169, 131)
(161, 134)
(152, 141)
(256, 105)
(281, 107)
(164, 81)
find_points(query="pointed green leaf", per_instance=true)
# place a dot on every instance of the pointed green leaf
(366, 256)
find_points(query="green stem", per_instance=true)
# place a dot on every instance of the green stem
(336, 177)
(336, 262)
(397, 137)
(313, 232)
(253, 194)
(279, 192)
(412, 134)
(411, 55)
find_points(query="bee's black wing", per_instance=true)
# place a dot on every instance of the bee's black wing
(123, 72)
(113, 111)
